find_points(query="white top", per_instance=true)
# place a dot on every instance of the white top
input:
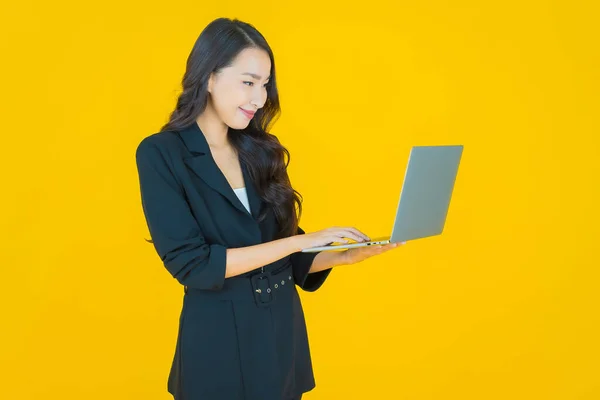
(243, 196)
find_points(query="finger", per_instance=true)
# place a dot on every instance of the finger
(359, 233)
(351, 232)
(344, 233)
(354, 234)
(368, 250)
(337, 239)
(372, 249)
(348, 233)
(382, 248)
(378, 250)
(391, 246)
(394, 245)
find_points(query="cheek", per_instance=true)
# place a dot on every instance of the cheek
(227, 103)
(230, 98)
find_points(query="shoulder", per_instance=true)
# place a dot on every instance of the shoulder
(161, 141)
(166, 145)
(158, 157)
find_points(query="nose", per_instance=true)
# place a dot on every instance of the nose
(259, 99)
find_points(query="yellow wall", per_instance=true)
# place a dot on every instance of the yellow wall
(503, 305)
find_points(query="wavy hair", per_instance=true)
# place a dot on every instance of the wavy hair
(266, 158)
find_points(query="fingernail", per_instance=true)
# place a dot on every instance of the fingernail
(403, 243)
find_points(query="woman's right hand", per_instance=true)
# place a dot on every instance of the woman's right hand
(329, 235)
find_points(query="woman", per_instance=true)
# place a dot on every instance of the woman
(222, 215)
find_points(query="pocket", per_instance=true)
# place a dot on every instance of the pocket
(209, 350)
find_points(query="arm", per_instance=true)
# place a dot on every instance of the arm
(178, 238)
(312, 269)
(244, 259)
(326, 260)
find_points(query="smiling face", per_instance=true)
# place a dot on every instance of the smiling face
(236, 92)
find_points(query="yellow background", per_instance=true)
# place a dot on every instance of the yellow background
(503, 305)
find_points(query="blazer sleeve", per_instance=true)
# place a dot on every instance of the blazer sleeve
(301, 263)
(177, 237)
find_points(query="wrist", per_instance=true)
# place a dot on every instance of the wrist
(294, 244)
(342, 258)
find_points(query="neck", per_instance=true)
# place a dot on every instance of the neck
(214, 129)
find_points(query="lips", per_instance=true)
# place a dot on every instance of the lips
(248, 114)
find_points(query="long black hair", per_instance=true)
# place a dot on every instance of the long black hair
(267, 159)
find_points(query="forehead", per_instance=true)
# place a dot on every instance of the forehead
(255, 61)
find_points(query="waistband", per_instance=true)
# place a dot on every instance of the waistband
(261, 287)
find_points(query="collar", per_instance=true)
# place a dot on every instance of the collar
(202, 163)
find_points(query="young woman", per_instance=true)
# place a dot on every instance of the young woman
(222, 215)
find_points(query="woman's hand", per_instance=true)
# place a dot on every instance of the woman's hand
(327, 236)
(358, 254)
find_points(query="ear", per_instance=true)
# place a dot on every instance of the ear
(210, 82)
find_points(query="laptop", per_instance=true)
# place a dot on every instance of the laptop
(424, 198)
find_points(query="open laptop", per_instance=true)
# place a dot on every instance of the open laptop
(424, 198)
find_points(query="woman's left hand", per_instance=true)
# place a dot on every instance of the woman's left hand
(358, 254)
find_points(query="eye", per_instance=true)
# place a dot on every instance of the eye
(249, 83)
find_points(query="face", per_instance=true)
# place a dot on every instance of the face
(238, 91)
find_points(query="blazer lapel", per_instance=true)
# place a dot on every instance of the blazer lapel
(202, 163)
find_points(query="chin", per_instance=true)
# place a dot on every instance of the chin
(239, 125)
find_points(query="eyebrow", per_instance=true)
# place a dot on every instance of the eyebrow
(254, 75)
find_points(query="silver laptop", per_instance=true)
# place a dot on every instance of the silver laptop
(424, 197)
